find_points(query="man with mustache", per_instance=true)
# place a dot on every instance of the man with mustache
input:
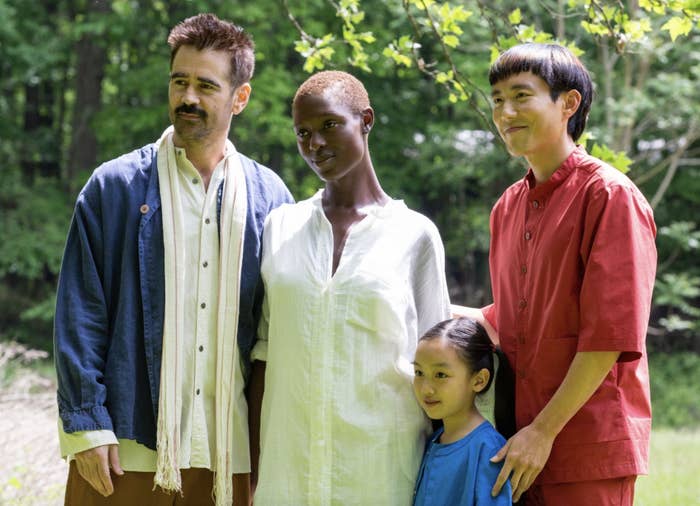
(159, 295)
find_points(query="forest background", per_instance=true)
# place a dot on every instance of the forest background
(85, 81)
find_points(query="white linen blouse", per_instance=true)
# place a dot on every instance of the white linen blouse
(340, 424)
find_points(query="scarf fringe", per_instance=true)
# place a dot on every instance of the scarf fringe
(167, 475)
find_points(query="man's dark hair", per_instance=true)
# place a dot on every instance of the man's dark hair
(555, 65)
(206, 31)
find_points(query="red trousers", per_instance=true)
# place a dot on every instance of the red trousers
(614, 492)
(136, 489)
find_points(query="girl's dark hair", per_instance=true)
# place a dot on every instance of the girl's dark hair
(473, 345)
(555, 65)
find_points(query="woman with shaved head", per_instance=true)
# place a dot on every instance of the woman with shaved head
(352, 279)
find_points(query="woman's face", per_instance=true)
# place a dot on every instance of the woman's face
(331, 138)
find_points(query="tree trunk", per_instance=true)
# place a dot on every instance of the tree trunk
(40, 152)
(91, 60)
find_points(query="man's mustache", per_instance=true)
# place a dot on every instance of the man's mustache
(191, 109)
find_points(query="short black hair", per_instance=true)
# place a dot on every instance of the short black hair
(555, 65)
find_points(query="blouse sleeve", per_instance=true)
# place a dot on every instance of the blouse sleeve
(429, 282)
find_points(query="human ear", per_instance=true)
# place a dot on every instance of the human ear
(480, 379)
(241, 95)
(367, 116)
(571, 100)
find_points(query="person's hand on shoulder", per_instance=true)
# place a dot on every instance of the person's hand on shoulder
(525, 455)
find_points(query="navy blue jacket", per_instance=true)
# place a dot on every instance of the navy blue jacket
(111, 294)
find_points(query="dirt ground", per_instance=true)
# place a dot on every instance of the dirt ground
(32, 472)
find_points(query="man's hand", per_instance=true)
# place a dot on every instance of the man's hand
(94, 465)
(525, 455)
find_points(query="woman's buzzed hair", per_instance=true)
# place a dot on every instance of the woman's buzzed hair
(344, 87)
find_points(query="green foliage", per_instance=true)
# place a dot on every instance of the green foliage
(677, 288)
(619, 160)
(34, 221)
(424, 64)
(675, 396)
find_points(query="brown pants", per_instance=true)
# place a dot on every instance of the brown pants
(613, 492)
(136, 489)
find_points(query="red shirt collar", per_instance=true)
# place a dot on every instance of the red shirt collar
(558, 177)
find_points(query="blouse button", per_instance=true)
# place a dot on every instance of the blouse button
(535, 204)
(522, 303)
(143, 208)
(528, 235)
(523, 269)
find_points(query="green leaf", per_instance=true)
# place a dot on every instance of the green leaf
(441, 77)
(637, 28)
(494, 53)
(655, 7)
(594, 28)
(515, 17)
(451, 40)
(617, 159)
(677, 26)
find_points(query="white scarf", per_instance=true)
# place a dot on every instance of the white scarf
(231, 233)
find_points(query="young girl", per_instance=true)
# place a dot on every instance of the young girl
(453, 365)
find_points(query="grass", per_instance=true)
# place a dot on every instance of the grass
(674, 460)
(674, 464)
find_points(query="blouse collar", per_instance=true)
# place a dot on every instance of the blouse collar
(374, 210)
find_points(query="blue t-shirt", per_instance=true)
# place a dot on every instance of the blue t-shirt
(460, 473)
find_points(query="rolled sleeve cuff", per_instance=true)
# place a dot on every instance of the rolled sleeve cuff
(259, 352)
(77, 442)
(489, 313)
(96, 418)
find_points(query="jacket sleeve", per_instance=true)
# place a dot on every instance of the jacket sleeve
(81, 326)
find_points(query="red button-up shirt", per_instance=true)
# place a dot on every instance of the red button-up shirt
(573, 262)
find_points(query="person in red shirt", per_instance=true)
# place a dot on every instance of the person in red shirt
(572, 262)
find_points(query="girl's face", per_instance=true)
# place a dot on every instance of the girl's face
(443, 383)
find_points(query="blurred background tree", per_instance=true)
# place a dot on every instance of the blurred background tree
(86, 80)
